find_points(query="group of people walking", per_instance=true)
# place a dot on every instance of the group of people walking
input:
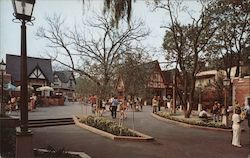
(13, 103)
(157, 103)
(115, 104)
(112, 104)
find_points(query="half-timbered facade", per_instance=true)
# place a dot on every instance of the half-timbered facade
(39, 70)
(156, 79)
(64, 83)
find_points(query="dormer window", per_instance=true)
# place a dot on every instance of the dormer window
(56, 80)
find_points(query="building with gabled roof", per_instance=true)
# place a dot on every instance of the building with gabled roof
(39, 70)
(155, 79)
(64, 84)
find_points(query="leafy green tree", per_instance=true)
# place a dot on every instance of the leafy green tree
(232, 35)
(135, 74)
(186, 45)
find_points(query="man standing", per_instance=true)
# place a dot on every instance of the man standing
(114, 105)
(247, 111)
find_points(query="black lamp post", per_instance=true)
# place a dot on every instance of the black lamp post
(23, 10)
(2, 69)
(226, 83)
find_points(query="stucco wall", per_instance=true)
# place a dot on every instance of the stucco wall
(241, 90)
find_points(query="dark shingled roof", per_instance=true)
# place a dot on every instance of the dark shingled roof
(64, 76)
(150, 67)
(13, 66)
(168, 75)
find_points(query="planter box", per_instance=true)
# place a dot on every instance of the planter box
(80, 154)
(52, 101)
(188, 125)
(9, 122)
(142, 137)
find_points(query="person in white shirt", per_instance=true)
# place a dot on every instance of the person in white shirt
(203, 114)
(236, 127)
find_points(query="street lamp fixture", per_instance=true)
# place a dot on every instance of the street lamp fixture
(23, 10)
(2, 69)
(226, 83)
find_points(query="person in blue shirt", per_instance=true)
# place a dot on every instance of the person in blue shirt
(114, 105)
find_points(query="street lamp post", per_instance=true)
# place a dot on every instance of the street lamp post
(23, 10)
(226, 83)
(2, 69)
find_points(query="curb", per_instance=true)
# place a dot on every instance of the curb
(143, 137)
(81, 154)
(188, 125)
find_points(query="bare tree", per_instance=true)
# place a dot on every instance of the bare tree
(100, 50)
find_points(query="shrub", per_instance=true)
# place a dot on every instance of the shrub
(107, 126)
(54, 153)
(192, 122)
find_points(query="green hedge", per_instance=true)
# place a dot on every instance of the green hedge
(192, 122)
(107, 126)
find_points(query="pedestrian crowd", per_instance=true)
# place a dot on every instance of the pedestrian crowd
(114, 104)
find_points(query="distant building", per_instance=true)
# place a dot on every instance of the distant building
(210, 77)
(156, 80)
(39, 71)
(211, 81)
(169, 77)
(64, 84)
(6, 79)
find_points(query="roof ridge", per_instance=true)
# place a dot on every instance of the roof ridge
(28, 57)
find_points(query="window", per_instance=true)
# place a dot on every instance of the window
(70, 83)
(56, 80)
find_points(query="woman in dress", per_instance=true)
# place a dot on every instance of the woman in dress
(236, 127)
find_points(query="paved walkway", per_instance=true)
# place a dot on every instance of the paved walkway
(172, 141)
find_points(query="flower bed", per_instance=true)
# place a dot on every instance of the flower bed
(197, 122)
(40, 154)
(106, 125)
(51, 152)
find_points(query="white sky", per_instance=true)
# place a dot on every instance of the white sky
(72, 10)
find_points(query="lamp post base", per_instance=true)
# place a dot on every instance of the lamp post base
(225, 120)
(24, 146)
(199, 107)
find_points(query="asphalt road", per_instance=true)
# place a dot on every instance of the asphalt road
(171, 140)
